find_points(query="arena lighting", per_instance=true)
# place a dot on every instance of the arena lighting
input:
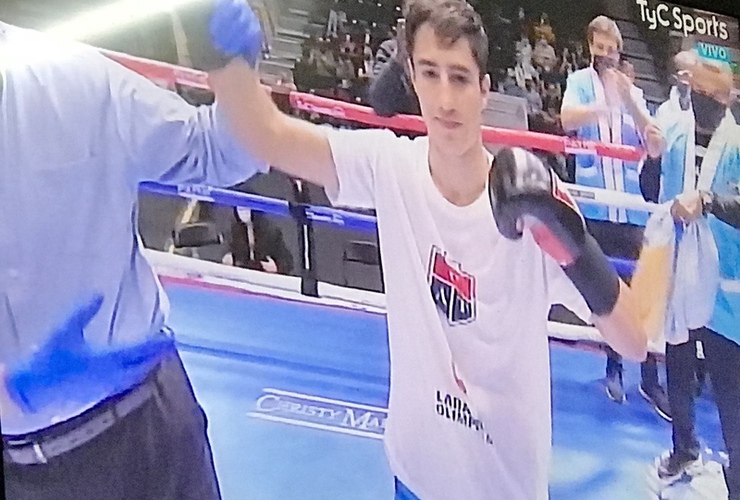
(112, 17)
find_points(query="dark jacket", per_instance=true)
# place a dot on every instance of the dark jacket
(727, 209)
(391, 92)
(268, 242)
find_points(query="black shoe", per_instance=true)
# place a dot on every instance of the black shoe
(673, 464)
(614, 387)
(658, 399)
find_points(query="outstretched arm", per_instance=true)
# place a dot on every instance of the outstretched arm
(225, 39)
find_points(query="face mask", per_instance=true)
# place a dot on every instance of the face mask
(684, 95)
(601, 63)
(707, 110)
(735, 109)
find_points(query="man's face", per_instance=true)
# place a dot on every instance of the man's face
(604, 45)
(451, 94)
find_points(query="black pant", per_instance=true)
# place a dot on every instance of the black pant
(723, 364)
(648, 368)
(682, 366)
(158, 452)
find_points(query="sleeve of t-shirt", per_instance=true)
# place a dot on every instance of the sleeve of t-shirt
(358, 158)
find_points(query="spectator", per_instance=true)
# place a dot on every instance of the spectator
(510, 87)
(581, 61)
(534, 99)
(524, 68)
(391, 91)
(543, 55)
(543, 30)
(386, 53)
(345, 70)
(367, 56)
(257, 243)
(336, 22)
(501, 43)
(567, 66)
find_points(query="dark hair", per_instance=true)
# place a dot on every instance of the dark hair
(450, 20)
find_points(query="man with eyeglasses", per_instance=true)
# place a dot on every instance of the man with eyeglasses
(700, 171)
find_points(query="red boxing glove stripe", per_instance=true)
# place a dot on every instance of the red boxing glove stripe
(551, 244)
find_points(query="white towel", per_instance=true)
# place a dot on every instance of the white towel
(695, 282)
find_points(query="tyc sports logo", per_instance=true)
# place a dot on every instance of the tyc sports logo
(453, 290)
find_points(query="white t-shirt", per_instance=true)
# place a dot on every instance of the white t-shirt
(489, 321)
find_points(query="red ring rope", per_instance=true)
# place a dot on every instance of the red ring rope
(169, 75)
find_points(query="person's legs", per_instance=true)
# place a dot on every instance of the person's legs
(160, 451)
(608, 235)
(650, 387)
(649, 372)
(680, 374)
(723, 363)
(614, 384)
(624, 241)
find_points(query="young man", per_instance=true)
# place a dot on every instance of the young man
(601, 103)
(700, 170)
(97, 405)
(467, 292)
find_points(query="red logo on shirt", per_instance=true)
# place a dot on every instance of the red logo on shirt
(453, 290)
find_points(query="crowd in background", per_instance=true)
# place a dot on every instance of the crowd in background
(528, 59)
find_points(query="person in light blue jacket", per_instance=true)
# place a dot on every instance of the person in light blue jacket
(716, 195)
(95, 400)
(601, 103)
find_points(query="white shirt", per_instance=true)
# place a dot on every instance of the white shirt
(492, 440)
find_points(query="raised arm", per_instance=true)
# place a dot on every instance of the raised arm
(296, 147)
(525, 195)
(574, 113)
(226, 38)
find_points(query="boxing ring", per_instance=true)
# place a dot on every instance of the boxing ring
(294, 378)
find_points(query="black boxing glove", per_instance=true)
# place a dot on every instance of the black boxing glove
(525, 193)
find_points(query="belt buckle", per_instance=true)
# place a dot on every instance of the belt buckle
(39, 453)
(18, 456)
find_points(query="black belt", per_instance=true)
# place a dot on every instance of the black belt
(94, 422)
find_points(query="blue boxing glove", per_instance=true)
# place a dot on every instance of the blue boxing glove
(66, 369)
(218, 31)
